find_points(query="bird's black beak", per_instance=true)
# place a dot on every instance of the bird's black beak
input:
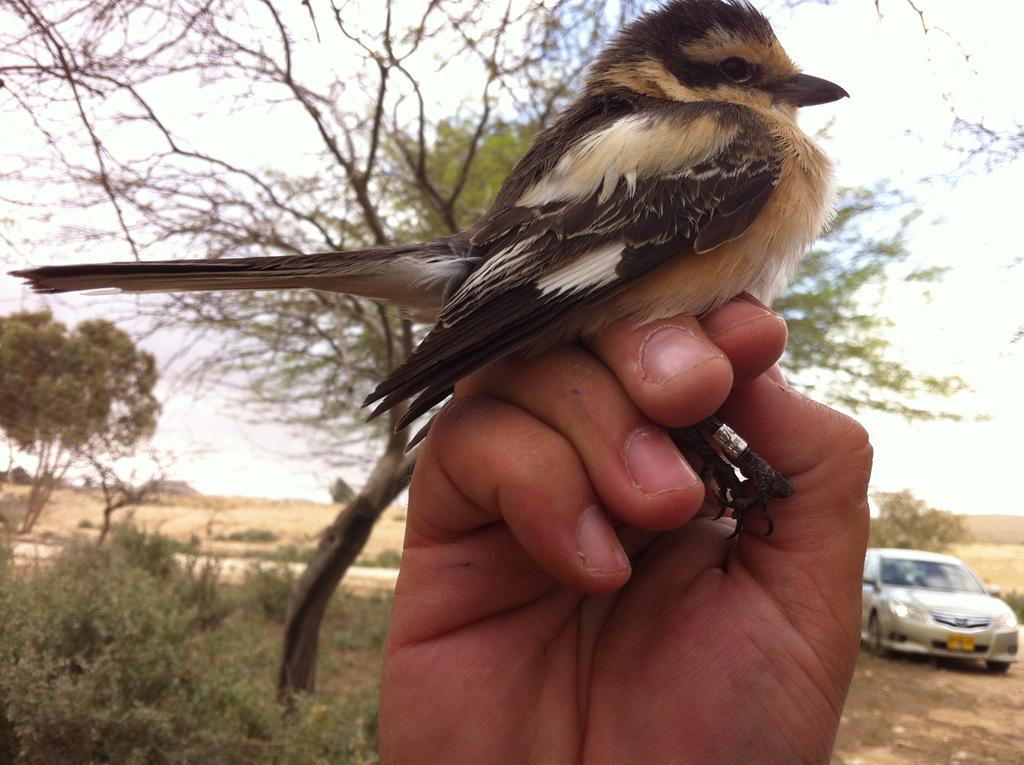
(805, 90)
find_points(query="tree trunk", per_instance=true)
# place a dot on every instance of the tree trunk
(5, 524)
(43, 483)
(108, 513)
(341, 544)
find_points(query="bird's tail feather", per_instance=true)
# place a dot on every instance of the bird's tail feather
(417, 277)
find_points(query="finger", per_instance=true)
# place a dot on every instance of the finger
(678, 372)
(813, 561)
(812, 443)
(820, 450)
(638, 473)
(749, 333)
(486, 461)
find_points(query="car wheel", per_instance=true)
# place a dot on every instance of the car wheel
(997, 666)
(875, 636)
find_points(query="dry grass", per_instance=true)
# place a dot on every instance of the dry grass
(1001, 564)
(996, 529)
(997, 551)
(212, 518)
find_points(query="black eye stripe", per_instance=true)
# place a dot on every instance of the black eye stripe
(736, 69)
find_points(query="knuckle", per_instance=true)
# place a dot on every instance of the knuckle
(852, 436)
(852, 451)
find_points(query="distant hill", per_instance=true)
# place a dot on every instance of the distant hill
(175, 488)
(996, 529)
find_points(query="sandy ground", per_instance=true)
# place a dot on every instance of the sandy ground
(998, 529)
(1001, 564)
(211, 519)
(914, 712)
(298, 523)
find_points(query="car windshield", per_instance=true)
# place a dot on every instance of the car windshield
(929, 574)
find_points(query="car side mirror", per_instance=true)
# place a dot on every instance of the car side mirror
(994, 590)
(872, 583)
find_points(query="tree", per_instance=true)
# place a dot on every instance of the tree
(906, 521)
(394, 158)
(341, 492)
(838, 346)
(309, 358)
(122, 489)
(989, 146)
(61, 391)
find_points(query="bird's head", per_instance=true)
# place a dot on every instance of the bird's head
(708, 50)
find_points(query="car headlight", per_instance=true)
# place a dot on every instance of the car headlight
(1005, 619)
(904, 610)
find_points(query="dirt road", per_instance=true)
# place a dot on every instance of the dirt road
(912, 712)
(358, 578)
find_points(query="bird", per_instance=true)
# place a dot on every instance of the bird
(677, 178)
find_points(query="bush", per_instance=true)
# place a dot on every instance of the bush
(383, 559)
(123, 654)
(365, 619)
(152, 553)
(93, 661)
(906, 521)
(200, 590)
(12, 509)
(269, 588)
(248, 535)
(1016, 602)
(282, 554)
(341, 492)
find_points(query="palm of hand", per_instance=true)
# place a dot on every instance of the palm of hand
(715, 651)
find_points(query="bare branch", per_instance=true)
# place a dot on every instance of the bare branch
(58, 49)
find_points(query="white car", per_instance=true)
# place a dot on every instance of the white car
(925, 603)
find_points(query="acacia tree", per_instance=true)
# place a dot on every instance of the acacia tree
(391, 161)
(121, 487)
(906, 521)
(309, 358)
(61, 391)
(839, 348)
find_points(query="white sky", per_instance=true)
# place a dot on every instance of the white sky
(895, 126)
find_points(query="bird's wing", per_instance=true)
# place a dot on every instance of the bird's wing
(622, 200)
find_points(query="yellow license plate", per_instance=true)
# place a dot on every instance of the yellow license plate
(960, 642)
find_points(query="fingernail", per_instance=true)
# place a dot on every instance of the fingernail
(774, 374)
(671, 351)
(753, 300)
(598, 547)
(655, 464)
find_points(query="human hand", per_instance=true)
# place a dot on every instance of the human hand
(522, 632)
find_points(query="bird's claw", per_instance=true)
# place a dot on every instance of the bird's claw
(760, 482)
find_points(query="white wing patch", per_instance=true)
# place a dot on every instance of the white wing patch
(596, 268)
(494, 271)
(632, 147)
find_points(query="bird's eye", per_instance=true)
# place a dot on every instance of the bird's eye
(736, 69)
